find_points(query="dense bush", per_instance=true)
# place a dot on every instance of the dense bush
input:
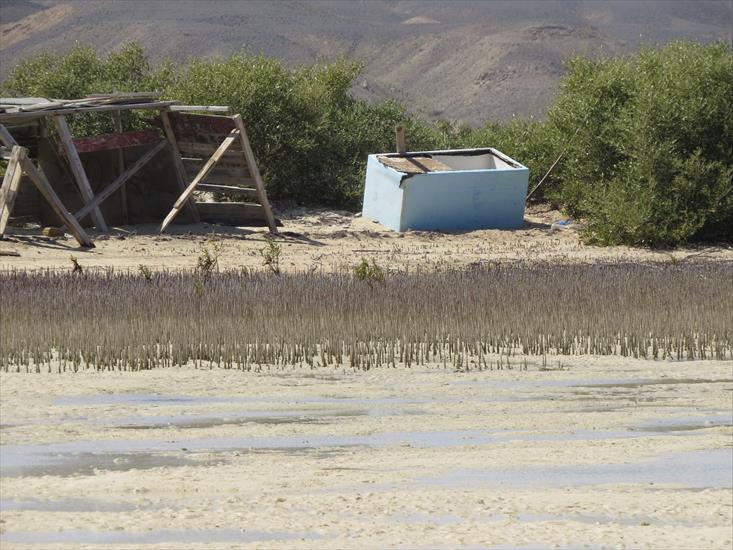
(652, 162)
(647, 141)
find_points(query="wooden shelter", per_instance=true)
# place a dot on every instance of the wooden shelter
(198, 152)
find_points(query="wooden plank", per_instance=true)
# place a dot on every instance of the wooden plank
(205, 108)
(222, 178)
(108, 191)
(10, 185)
(228, 189)
(400, 138)
(12, 117)
(78, 171)
(200, 176)
(117, 120)
(205, 150)
(180, 170)
(414, 164)
(228, 166)
(6, 139)
(107, 142)
(255, 171)
(233, 213)
(125, 96)
(188, 123)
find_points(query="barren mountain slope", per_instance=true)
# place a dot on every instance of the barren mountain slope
(470, 60)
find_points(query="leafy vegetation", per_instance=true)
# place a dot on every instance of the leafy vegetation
(646, 141)
(371, 273)
(271, 253)
(653, 160)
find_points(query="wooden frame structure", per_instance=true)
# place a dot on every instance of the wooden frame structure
(182, 133)
(20, 164)
(197, 135)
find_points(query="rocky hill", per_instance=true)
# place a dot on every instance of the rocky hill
(474, 61)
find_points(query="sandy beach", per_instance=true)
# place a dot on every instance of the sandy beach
(594, 453)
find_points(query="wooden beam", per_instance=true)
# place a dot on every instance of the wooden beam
(6, 139)
(187, 194)
(255, 171)
(40, 181)
(117, 120)
(220, 177)
(399, 132)
(11, 182)
(77, 169)
(202, 108)
(22, 115)
(108, 191)
(230, 166)
(191, 149)
(179, 169)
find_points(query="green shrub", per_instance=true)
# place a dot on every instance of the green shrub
(653, 160)
(371, 273)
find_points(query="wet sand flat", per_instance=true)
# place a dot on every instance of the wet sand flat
(592, 453)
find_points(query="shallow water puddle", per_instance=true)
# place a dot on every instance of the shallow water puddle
(597, 519)
(453, 519)
(119, 454)
(172, 399)
(68, 505)
(193, 421)
(712, 468)
(541, 546)
(14, 463)
(157, 536)
(635, 384)
(83, 457)
(687, 423)
(157, 400)
(136, 399)
(628, 383)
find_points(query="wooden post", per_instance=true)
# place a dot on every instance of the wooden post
(11, 182)
(188, 192)
(117, 119)
(78, 170)
(399, 132)
(180, 170)
(255, 171)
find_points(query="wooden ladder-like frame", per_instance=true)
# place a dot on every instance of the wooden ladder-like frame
(208, 124)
